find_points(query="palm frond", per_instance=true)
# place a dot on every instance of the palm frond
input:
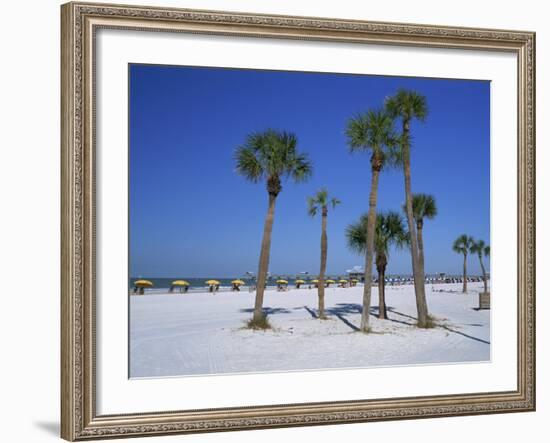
(373, 131)
(272, 153)
(424, 206)
(300, 168)
(407, 105)
(320, 200)
(248, 164)
(477, 247)
(356, 235)
(463, 244)
(311, 206)
(389, 230)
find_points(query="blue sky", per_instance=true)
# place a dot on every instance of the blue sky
(191, 215)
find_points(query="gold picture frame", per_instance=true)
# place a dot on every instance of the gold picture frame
(80, 21)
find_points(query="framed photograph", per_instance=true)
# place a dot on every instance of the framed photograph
(277, 221)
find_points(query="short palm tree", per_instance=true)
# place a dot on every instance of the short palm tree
(390, 230)
(320, 202)
(372, 132)
(463, 245)
(409, 105)
(424, 207)
(481, 249)
(271, 156)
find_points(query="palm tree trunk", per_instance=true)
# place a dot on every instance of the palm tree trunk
(382, 312)
(322, 270)
(371, 226)
(418, 270)
(419, 226)
(264, 259)
(484, 275)
(464, 282)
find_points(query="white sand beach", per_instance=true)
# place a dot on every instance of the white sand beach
(202, 333)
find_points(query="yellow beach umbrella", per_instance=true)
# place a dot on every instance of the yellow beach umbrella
(143, 284)
(282, 282)
(342, 281)
(354, 280)
(212, 282)
(330, 281)
(180, 283)
(300, 282)
(315, 281)
(237, 282)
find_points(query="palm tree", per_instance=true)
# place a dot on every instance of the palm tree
(463, 245)
(390, 230)
(271, 156)
(320, 201)
(480, 248)
(409, 105)
(423, 207)
(372, 132)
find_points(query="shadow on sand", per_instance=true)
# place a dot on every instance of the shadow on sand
(268, 311)
(447, 328)
(341, 310)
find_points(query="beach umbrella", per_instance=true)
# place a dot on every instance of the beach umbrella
(213, 285)
(342, 281)
(315, 281)
(281, 284)
(182, 284)
(329, 282)
(236, 284)
(141, 285)
(298, 283)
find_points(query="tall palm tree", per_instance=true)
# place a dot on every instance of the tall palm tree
(423, 207)
(480, 248)
(271, 156)
(321, 201)
(463, 245)
(372, 132)
(390, 230)
(409, 105)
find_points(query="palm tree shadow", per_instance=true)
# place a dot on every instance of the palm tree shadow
(343, 309)
(310, 311)
(394, 320)
(268, 310)
(447, 328)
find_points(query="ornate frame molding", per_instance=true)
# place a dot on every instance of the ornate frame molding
(79, 23)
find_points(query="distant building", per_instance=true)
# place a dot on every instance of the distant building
(356, 272)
